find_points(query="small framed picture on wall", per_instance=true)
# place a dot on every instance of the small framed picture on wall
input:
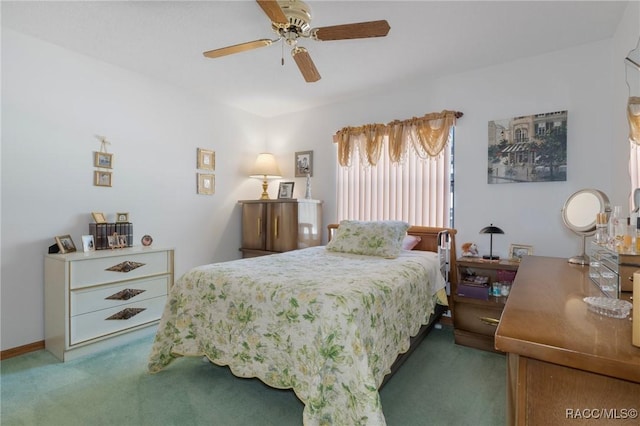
(206, 159)
(101, 178)
(304, 163)
(103, 159)
(206, 184)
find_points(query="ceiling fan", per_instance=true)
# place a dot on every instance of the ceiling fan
(290, 20)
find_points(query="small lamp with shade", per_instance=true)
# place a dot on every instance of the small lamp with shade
(265, 168)
(491, 230)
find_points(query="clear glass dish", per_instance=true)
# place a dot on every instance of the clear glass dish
(607, 306)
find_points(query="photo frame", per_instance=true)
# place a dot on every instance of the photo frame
(122, 217)
(285, 191)
(101, 178)
(65, 244)
(206, 159)
(88, 243)
(518, 251)
(206, 184)
(98, 217)
(103, 160)
(303, 163)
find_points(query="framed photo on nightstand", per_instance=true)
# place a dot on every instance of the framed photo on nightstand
(518, 251)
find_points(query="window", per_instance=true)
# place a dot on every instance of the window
(416, 190)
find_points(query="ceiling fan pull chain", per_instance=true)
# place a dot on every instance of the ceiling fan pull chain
(282, 55)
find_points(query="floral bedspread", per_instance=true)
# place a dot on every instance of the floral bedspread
(328, 325)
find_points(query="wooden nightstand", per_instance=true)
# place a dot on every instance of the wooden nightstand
(476, 315)
(276, 226)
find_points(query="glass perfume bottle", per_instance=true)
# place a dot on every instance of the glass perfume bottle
(601, 229)
(615, 230)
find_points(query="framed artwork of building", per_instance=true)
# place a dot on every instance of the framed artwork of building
(530, 148)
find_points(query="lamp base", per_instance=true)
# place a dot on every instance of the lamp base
(490, 257)
(265, 194)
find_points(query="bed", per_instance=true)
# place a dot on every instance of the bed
(330, 324)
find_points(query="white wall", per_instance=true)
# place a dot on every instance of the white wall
(53, 103)
(579, 80)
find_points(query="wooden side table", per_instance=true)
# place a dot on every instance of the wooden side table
(476, 314)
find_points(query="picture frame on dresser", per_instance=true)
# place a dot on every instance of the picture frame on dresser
(122, 217)
(88, 244)
(285, 190)
(98, 217)
(518, 251)
(65, 244)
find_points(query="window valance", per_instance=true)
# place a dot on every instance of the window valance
(427, 135)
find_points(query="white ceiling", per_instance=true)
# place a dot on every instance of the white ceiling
(165, 40)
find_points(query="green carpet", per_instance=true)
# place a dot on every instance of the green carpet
(440, 384)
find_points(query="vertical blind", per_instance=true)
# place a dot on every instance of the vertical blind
(415, 190)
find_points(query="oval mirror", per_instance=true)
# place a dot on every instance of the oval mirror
(579, 215)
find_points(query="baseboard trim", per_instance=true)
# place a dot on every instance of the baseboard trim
(21, 350)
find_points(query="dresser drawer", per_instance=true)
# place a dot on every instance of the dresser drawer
(91, 299)
(626, 276)
(93, 271)
(476, 318)
(96, 324)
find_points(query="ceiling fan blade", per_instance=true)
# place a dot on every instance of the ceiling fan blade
(305, 64)
(237, 48)
(273, 11)
(350, 31)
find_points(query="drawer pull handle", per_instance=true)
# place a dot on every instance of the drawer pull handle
(125, 294)
(125, 266)
(125, 314)
(491, 321)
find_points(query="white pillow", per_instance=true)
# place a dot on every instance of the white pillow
(410, 241)
(376, 238)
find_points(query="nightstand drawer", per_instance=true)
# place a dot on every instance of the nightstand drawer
(476, 318)
(111, 296)
(97, 324)
(93, 271)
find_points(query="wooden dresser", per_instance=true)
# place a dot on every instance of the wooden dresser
(98, 299)
(275, 226)
(566, 365)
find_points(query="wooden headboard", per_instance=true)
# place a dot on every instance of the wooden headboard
(429, 242)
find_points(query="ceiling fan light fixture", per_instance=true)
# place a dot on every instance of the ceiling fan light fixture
(298, 14)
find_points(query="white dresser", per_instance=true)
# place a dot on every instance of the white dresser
(99, 299)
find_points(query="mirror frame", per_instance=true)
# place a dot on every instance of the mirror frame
(585, 230)
(591, 227)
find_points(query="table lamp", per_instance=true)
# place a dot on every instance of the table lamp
(265, 168)
(491, 230)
